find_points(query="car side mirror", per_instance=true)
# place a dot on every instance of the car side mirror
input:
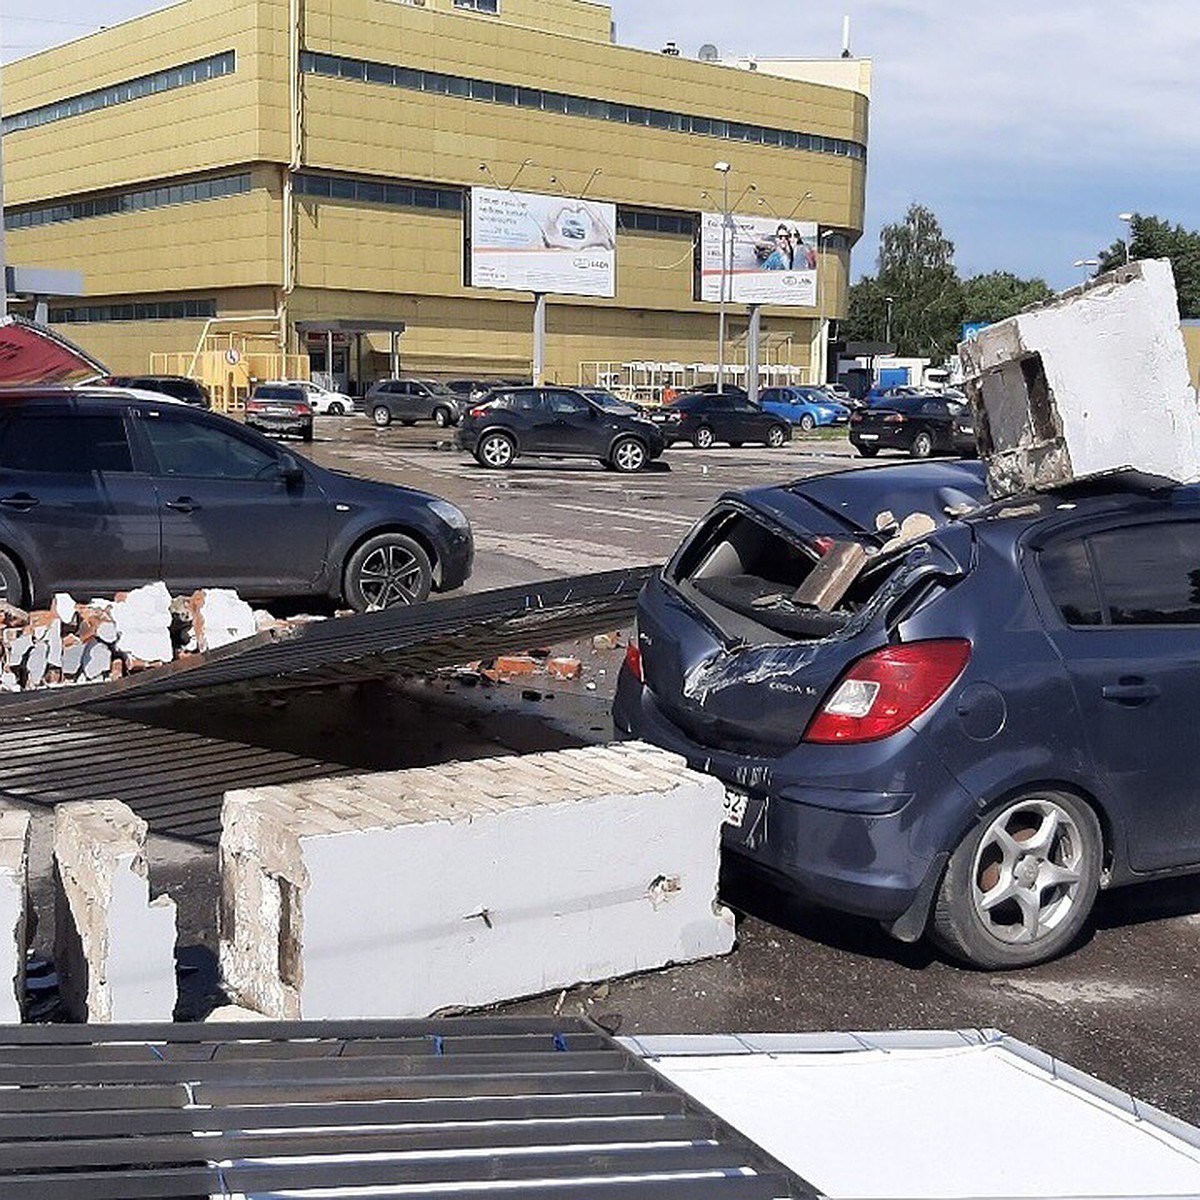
(290, 470)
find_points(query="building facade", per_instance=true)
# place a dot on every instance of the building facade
(298, 170)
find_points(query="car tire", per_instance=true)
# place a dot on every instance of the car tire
(628, 455)
(808, 422)
(737, 445)
(776, 436)
(495, 450)
(388, 570)
(868, 451)
(703, 438)
(442, 418)
(12, 586)
(336, 409)
(922, 445)
(306, 434)
(1045, 848)
(382, 416)
(408, 423)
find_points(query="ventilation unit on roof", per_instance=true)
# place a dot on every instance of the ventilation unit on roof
(709, 53)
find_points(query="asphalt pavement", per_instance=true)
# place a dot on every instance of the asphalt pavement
(1124, 1005)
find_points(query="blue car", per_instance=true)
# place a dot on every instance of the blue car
(992, 723)
(803, 406)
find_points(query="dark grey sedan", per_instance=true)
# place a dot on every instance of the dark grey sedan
(101, 491)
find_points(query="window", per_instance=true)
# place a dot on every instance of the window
(199, 451)
(565, 404)
(64, 444)
(486, 6)
(1067, 574)
(121, 93)
(1150, 574)
(491, 91)
(375, 191)
(155, 310)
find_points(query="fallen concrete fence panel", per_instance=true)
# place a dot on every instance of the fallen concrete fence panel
(14, 872)
(398, 894)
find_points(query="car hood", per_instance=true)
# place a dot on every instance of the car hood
(357, 490)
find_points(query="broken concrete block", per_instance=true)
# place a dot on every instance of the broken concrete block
(828, 582)
(72, 656)
(64, 607)
(36, 663)
(14, 868)
(564, 668)
(397, 894)
(114, 947)
(96, 660)
(220, 616)
(1096, 380)
(143, 623)
(606, 641)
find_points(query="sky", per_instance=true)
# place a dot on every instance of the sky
(1025, 126)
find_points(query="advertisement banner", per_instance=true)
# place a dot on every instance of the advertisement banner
(524, 242)
(769, 261)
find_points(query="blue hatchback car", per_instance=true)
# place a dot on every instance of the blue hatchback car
(990, 725)
(804, 407)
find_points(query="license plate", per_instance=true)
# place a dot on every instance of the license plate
(869, 437)
(735, 807)
(276, 411)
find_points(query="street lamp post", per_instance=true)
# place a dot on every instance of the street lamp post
(1128, 219)
(724, 168)
(822, 367)
(887, 325)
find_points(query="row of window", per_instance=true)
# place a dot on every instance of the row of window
(574, 106)
(656, 222)
(400, 195)
(121, 93)
(487, 6)
(154, 310)
(132, 201)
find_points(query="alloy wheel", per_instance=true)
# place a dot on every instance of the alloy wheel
(382, 417)
(496, 451)
(1027, 870)
(390, 575)
(704, 437)
(629, 456)
(775, 437)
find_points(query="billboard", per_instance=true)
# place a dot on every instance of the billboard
(524, 242)
(771, 261)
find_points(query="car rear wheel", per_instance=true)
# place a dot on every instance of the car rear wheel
(495, 450)
(868, 451)
(441, 417)
(628, 455)
(703, 438)
(306, 434)
(387, 571)
(381, 416)
(12, 588)
(922, 445)
(336, 408)
(808, 422)
(1021, 884)
(776, 436)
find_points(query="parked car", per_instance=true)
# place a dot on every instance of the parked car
(609, 401)
(803, 407)
(280, 408)
(411, 400)
(471, 391)
(709, 389)
(921, 425)
(179, 386)
(559, 423)
(101, 492)
(992, 724)
(705, 419)
(321, 400)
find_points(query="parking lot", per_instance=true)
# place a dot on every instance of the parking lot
(1124, 1005)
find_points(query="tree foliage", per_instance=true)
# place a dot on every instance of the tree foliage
(1155, 238)
(930, 303)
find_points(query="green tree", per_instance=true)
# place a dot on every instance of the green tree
(1000, 294)
(1155, 238)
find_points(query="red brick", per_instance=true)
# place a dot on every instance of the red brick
(516, 664)
(564, 668)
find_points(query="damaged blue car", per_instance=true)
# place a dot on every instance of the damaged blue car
(959, 717)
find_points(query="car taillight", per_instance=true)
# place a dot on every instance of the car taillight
(633, 660)
(478, 411)
(304, 410)
(254, 406)
(823, 545)
(894, 419)
(886, 691)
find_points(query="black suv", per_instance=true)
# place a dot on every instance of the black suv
(921, 424)
(706, 418)
(411, 400)
(559, 423)
(100, 492)
(178, 386)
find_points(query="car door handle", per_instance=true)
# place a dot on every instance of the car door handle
(1133, 691)
(21, 502)
(185, 504)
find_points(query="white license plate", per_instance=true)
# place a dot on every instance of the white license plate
(869, 437)
(275, 411)
(735, 808)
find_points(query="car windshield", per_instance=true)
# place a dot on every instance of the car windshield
(605, 399)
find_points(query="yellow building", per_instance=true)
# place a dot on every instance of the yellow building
(297, 170)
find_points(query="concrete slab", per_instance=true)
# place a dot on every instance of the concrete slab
(14, 869)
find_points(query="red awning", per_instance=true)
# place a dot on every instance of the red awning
(31, 354)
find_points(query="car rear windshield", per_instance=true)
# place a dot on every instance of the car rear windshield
(268, 392)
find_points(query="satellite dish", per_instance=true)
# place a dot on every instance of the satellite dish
(709, 53)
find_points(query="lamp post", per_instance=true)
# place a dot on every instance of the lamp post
(822, 367)
(887, 326)
(1128, 219)
(724, 168)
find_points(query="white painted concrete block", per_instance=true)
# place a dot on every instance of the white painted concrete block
(14, 867)
(398, 894)
(114, 947)
(220, 617)
(1094, 381)
(143, 623)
